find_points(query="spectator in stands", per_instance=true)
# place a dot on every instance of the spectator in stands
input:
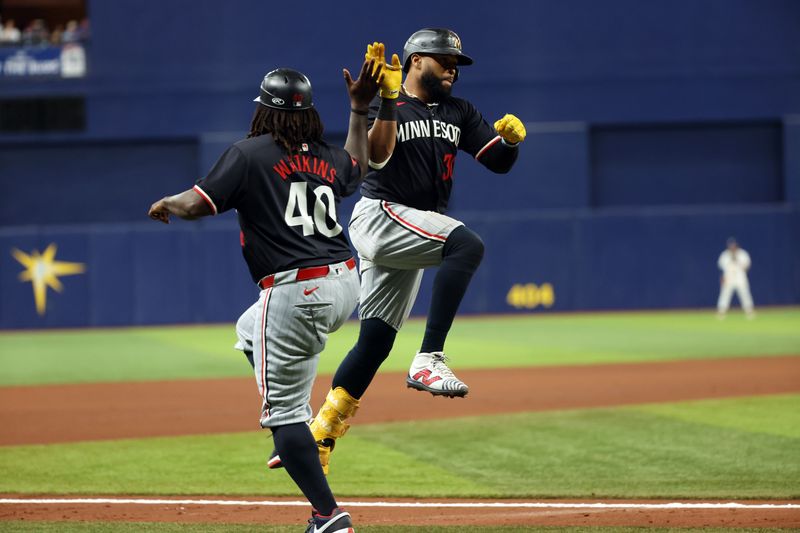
(57, 35)
(71, 33)
(10, 34)
(36, 34)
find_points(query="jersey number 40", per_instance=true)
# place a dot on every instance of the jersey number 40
(324, 207)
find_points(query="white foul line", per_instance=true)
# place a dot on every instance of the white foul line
(514, 505)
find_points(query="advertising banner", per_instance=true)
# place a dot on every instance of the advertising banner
(68, 61)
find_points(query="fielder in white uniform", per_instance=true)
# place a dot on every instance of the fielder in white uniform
(734, 263)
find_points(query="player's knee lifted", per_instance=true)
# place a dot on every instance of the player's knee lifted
(464, 247)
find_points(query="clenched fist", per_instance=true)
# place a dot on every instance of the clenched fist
(392, 74)
(511, 129)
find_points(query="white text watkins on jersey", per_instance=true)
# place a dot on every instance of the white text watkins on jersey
(428, 128)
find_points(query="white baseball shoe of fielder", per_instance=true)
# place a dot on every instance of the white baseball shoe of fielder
(429, 373)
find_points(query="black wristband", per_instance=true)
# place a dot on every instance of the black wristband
(388, 109)
(359, 112)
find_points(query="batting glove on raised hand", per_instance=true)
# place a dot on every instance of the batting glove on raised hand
(392, 74)
(511, 129)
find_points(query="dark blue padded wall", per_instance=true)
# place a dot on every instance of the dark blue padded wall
(711, 163)
(192, 272)
(791, 151)
(656, 130)
(83, 182)
(136, 273)
(551, 172)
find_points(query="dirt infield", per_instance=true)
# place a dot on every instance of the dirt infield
(409, 512)
(148, 409)
(133, 410)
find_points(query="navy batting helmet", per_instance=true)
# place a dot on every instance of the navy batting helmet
(434, 41)
(287, 89)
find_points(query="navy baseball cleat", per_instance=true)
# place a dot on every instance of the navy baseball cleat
(337, 522)
(429, 373)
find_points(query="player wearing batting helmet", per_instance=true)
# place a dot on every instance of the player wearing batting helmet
(399, 227)
(285, 181)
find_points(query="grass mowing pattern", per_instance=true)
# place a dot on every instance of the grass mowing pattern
(154, 527)
(625, 452)
(773, 415)
(216, 464)
(682, 450)
(134, 354)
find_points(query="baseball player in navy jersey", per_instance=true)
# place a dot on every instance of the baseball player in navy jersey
(399, 227)
(285, 182)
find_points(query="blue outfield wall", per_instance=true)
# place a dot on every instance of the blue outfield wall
(137, 273)
(146, 273)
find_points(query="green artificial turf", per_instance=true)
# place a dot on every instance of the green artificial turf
(132, 354)
(734, 448)
(154, 527)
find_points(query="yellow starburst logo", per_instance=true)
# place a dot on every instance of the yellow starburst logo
(42, 270)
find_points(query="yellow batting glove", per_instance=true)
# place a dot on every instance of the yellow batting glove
(511, 129)
(392, 79)
(375, 52)
(392, 76)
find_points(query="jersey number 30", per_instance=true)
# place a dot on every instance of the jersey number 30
(324, 207)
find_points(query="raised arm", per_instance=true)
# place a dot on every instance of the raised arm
(361, 92)
(383, 135)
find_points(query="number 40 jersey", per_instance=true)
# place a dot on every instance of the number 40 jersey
(286, 203)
